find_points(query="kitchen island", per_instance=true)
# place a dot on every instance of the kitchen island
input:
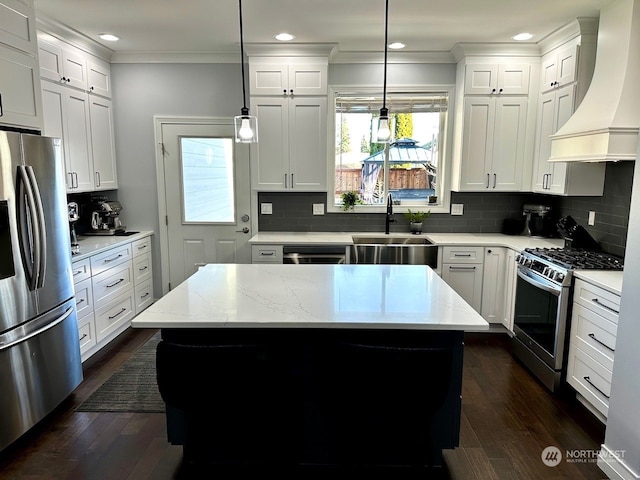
(347, 365)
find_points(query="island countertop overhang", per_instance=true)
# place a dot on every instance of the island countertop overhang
(405, 297)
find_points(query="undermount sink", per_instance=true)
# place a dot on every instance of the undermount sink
(389, 240)
(389, 250)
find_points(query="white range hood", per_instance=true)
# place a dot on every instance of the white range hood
(605, 125)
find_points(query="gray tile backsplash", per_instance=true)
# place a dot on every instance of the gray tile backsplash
(483, 212)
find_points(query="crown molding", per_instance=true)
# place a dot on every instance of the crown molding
(175, 57)
(72, 37)
(462, 50)
(392, 57)
(584, 27)
(289, 49)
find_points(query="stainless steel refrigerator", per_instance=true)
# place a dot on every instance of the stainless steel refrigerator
(39, 350)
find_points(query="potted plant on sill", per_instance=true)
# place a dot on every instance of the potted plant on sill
(350, 199)
(416, 219)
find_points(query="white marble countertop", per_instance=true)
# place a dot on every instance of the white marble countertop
(607, 279)
(515, 242)
(93, 244)
(312, 296)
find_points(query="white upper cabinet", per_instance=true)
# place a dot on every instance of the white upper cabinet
(291, 154)
(63, 65)
(20, 101)
(98, 77)
(102, 143)
(559, 68)
(504, 79)
(564, 78)
(287, 78)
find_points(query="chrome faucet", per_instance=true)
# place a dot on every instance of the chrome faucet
(389, 218)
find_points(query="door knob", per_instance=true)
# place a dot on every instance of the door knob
(244, 230)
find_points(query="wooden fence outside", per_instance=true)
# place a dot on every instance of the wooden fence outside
(348, 179)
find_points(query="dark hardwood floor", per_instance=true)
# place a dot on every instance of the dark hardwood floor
(508, 418)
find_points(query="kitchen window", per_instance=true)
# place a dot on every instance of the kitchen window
(410, 167)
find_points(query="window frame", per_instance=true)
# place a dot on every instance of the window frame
(446, 148)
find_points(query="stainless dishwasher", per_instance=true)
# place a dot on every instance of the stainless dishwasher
(314, 254)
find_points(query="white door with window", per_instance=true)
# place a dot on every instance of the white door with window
(207, 195)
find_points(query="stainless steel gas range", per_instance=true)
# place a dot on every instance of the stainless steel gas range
(542, 306)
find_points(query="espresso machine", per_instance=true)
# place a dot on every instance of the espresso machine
(538, 221)
(105, 218)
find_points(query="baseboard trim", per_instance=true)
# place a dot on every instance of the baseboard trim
(613, 465)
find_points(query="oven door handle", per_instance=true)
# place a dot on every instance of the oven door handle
(538, 282)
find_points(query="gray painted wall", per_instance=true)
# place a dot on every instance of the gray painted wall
(141, 91)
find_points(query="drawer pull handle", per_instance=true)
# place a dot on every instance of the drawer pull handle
(78, 272)
(79, 301)
(142, 246)
(461, 254)
(107, 260)
(588, 380)
(120, 312)
(598, 302)
(593, 336)
(453, 267)
(115, 283)
(143, 268)
(267, 254)
(145, 295)
(83, 337)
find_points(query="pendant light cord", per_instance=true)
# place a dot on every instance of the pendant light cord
(244, 93)
(386, 34)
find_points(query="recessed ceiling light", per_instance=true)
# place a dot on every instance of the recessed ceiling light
(284, 37)
(109, 37)
(522, 36)
(397, 45)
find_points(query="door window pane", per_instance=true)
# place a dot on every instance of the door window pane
(208, 194)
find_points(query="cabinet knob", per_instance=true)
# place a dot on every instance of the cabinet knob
(488, 251)
(493, 90)
(500, 91)
(291, 91)
(284, 91)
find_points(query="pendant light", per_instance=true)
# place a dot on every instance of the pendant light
(246, 125)
(384, 128)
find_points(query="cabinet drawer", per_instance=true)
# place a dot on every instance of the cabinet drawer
(594, 334)
(602, 302)
(114, 315)
(111, 283)
(110, 258)
(589, 378)
(143, 294)
(266, 254)
(81, 270)
(87, 334)
(84, 298)
(462, 254)
(142, 246)
(142, 268)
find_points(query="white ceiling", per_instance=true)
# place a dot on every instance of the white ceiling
(212, 26)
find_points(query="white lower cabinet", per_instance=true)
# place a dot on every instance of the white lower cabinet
(510, 281)
(111, 288)
(462, 269)
(592, 343)
(493, 290)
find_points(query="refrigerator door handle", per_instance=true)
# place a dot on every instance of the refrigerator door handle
(42, 229)
(27, 226)
(22, 334)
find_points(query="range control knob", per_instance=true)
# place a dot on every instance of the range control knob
(560, 277)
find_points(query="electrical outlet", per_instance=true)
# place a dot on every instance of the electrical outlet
(457, 208)
(266, 208)
(318, 208)
(592, 218)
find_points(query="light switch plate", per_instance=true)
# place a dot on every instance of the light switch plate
(592, 218)
(318, 208)
(266, 208)
(456, 208)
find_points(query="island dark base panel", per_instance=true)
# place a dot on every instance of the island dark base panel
(350, 398)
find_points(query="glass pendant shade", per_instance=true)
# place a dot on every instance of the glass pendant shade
(384, 129)
(246, 127)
